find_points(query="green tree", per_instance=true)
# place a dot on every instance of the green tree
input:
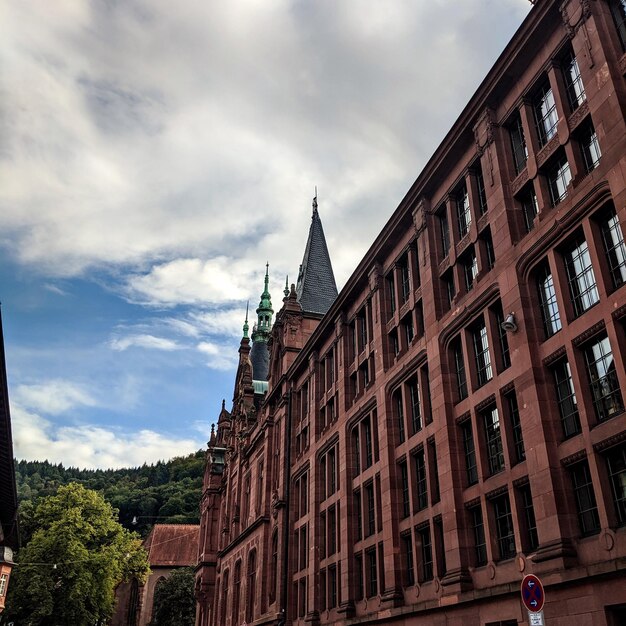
(78, 553)
(174, 602)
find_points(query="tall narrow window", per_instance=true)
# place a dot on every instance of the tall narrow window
(530, 525)
(618, 9)
(372, 573)
(449, 290)
(224, 606)
(493, 439)
(444, 232)
(332, 530)
(371, 509)
(273, 568)
(516, 427)
(426, 553)
(236, 592)
(505, 355)
(518, 143)
(404, 485)
(391, 289)
(586, 506)
(546, 117)
(416, 411)
(482, 196)
(459, 370)
(359, 514)
(480, 545)
(463, 212)
(332, 586)
(580, 276)
(616, 464)
(367, 435)
(470, 452)
(547, 301)
(504, 526)
(614, 247)
(566, 398)
(573, 82)
(607, 397)
(358, 571)
(420, 480)
(470, 269)
(407, 554)
(251, 591)
(399, 406)
(405, 279)
(589, 145)
(484, 372)
(530, 207)
(559, 176)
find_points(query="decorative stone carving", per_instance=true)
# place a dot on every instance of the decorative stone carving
(484, 130)
(548, 150)
(520, 181)
(578, 115)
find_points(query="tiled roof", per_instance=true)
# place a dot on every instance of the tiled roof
(8, 493)
(316, 288)
(260, 359)
(173, 545)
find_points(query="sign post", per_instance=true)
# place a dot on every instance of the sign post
(533, 598)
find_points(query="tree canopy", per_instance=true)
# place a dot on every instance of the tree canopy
(174, 602)
(77, 555)
(166, 492)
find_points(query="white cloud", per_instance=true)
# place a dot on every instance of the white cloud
(91, 446)
(221, 357)
(54, 397)
(143, 341)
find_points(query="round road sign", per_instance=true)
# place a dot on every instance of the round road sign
(533, 595)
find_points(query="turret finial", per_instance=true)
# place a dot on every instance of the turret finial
(245, 324)
(315, 201)
(286, 291)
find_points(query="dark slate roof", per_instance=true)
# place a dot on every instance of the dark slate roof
(8, 492)
(316, 288)
(260, 359)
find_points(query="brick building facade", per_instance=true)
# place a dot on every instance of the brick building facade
(455, 418)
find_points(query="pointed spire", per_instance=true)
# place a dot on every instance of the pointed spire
(245, 324)
(259, 355)
(316, 287)
(286, 290)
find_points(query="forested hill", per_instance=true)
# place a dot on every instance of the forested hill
(167, 492)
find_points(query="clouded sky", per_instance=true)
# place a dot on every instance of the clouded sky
(155, 154)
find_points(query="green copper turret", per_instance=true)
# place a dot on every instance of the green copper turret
(264, 312)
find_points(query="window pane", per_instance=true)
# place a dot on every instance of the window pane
(616, 462)
(585, 499)
(504, 527)
(607, 398)
(546, 117)
(580, 276)
(566, 399)
(548, 303)
(614, 247)
(484, 372)
(493, 439)
(573, 81)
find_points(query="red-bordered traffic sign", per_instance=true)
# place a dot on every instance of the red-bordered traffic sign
(533, 595)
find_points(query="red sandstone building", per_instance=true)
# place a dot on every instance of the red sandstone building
(405, 452)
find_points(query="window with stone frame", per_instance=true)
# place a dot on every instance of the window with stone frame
(572, 79)
(332, 586)
(486, 244)
(421, 481)
(618, 11)
(469, 451)
(358, 575)
(558, 174)
(519, 453)
(358, 513)
(426, 552)
(458, 365)
(585, 499)
(448, 288)
(530, 539)
(444, 231)
(605, 390)
(251, 586)
(614, 247)
(503, 340)
(482, 357)
(408, 566)
(527, 201)
(391, 291)
(463, 211)
(408, 328)
(493, 439)
(580, 275)
(480, 189)
(405, 488)
(505, 533)
(371, 572)
(370, 509)
(469, 262)
(478, 532)
(587, 139)
(518, 143)
(548, 304)
(566, 398)
(616, 468)
(546, 116)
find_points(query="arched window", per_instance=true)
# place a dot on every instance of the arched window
(251, 594)
(274, 567)
(133, 603)
(224, 597)
(236, 592)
